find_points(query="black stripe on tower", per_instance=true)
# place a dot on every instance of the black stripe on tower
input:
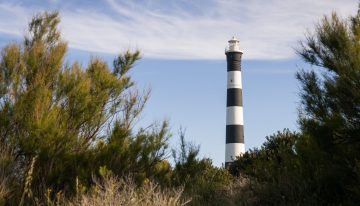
(234, 97)
(233, 61)
(234, 134)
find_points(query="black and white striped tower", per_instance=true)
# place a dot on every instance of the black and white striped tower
(234, 107)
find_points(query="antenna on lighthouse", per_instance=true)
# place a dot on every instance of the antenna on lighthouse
(234, 106)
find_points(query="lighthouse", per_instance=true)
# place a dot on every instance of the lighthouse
(234, 105)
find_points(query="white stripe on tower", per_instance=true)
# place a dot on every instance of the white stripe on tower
(234, 115)
(234, 79)
(234, 107)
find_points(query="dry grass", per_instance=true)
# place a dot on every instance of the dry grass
(113, 191)
(6, 165)
(4, 190)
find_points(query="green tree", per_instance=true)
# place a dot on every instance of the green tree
(330, 119)
(319, 166)
(63, 121)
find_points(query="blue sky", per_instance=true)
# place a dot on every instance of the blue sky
(183, 55)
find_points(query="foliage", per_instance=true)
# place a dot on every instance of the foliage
(142, 155)
(318, 166)
(62, 121)
(203, 182)
(272, 172)
(67, 132)
(331, 108)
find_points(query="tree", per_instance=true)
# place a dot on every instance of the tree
(320, 165)
(60, 119)
(331, 107)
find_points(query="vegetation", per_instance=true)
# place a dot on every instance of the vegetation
(61, 123)
(203, 182)
(320, 165)
(67, 137)
(113, 191)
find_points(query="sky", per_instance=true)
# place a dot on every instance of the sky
(182, 44)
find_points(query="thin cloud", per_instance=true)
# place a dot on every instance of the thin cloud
(12, 19)
(184, 29)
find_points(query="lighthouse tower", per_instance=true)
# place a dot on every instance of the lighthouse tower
(234, 105)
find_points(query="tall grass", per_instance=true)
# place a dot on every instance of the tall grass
(7, 173)
(28, 180)
(114, 191)
(4, 189)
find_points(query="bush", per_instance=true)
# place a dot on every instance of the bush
(203, 182)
